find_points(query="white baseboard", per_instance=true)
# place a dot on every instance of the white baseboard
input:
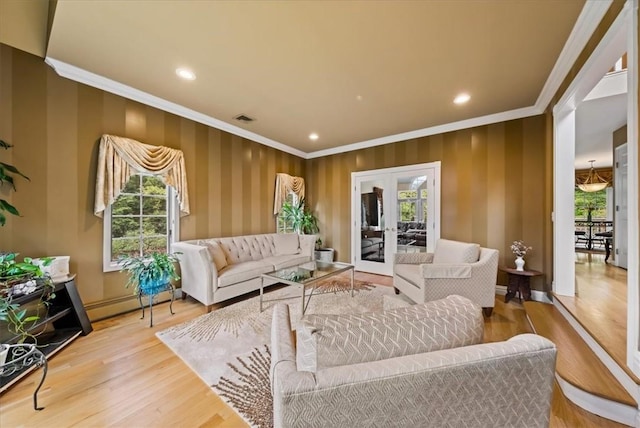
(537, 295)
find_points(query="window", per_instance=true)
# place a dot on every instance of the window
(142, 220)
(593, 202)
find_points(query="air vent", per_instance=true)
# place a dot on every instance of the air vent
(244, 118)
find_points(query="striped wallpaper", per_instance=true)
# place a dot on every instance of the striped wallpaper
(496, 179)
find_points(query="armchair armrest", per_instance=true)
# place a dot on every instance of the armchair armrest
(412, 258)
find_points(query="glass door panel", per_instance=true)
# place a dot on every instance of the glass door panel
(371, 223)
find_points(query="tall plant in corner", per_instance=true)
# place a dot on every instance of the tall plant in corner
(7, 174)
(300, 220)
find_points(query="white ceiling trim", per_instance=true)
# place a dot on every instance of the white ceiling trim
(588, 20)
(434, 130)
(83, 76)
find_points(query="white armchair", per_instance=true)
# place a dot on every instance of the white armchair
(454, 267)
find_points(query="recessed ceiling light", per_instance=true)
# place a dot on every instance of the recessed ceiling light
(186, 74)
(462, 98)
(313, 136)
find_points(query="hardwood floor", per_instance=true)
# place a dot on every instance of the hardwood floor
(122, 375)
(600, 304)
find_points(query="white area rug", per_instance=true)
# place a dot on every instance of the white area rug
(229, 347)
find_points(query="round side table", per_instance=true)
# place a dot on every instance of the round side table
(519, 283)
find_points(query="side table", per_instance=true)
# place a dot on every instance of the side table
(519, 282)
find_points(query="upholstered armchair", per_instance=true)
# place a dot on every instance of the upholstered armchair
(454, 267)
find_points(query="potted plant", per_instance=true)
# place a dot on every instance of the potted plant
(302, 221)
(323, 254)
(21, 278)
(151, 273)
(7, 174)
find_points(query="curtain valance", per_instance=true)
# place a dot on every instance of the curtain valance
(119, 158)
(286, 184)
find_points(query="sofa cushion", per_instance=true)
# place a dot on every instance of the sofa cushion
(232, 274)
(446, 271)
(286, 243)
(217, 255)
(455, 252)
(410, 272)
(281, 262)
(336, 340)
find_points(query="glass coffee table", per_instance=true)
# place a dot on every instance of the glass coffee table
(305, 276)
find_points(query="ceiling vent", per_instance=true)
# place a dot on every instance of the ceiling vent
(244, 118)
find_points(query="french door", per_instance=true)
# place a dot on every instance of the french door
(394, 210)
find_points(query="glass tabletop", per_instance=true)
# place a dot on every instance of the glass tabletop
(308, 272)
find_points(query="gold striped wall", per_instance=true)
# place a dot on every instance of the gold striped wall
(55, 125)
(494, 187)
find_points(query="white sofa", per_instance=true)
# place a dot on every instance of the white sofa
(418, 366)
(217, 269)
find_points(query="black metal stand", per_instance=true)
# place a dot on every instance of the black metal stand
(151, 294)
(20, 357)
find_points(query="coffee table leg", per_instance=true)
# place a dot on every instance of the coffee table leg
(261, 291)
(352, 274)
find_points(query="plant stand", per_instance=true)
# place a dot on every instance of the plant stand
(151, 293)
(23, 356)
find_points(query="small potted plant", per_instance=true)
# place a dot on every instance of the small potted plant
(21, 278)
(151, 273)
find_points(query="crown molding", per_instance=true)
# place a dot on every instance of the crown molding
(434, 130)
(86, 77)
(588, 20)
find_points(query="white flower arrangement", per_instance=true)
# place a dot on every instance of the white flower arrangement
(519, 248)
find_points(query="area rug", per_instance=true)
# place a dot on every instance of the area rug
(229, 347)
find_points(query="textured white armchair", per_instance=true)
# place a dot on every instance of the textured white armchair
(454, 267)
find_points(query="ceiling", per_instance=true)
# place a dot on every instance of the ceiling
(357, 73)
(350, 71)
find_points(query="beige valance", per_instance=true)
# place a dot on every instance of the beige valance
(286, 184)
(119, 158)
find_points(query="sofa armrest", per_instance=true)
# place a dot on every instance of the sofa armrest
(197, 270)
(308, 245)
(445, 271)
(412, 258)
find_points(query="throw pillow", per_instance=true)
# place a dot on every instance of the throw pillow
(217, 255)
(455, 252)
(286, 243)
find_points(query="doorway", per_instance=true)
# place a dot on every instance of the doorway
(621, 38)
(394, 210)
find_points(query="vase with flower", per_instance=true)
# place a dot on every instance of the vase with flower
(520, 249)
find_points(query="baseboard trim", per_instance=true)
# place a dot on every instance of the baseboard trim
(608, 409)
(120, 305)
(627, 382)
(537, 295)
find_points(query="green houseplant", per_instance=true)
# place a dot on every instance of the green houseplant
(18, 278)
(151, 273)
(301, 220)
(7, 174)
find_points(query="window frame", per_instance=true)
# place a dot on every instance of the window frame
(173, 227)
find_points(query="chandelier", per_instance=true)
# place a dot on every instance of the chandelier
(593, 182)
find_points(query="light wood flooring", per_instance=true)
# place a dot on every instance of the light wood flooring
(122, 375)
(600, 304)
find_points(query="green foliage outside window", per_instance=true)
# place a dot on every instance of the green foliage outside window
(139, 218)
(407, 210)
(594, 201)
